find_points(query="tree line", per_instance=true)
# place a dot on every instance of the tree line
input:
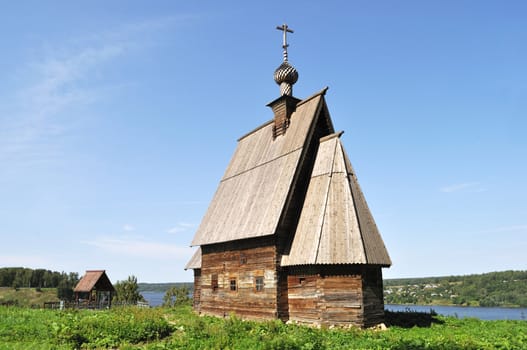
(506, 288)
(21, 277)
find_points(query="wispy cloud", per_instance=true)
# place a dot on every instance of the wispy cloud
(58, 82)
(466, 186)
(37, 114)
(139, 247)
(128, 228)
(181, 227)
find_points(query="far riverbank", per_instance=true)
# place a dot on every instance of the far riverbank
(482, 313)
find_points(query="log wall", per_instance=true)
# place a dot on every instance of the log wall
(243, 266)
(328, 300)
(197, 290)
(337, 299)
(373, 296)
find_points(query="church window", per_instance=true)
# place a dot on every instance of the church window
(259, 284)
(233, 284)
(214, 283)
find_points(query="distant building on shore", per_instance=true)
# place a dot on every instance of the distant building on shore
(94, 290)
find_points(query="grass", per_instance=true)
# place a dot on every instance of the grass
(180, 328)
(27, 297)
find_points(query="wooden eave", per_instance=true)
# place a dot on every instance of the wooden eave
(194, 262)
(335, 225)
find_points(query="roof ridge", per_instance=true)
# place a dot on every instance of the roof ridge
(255, 129)
(330, 136)
(321, 92)
(316, 94)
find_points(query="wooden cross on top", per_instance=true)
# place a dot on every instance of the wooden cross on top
(284, 28)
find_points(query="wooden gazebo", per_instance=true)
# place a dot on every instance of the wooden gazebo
(94, 290)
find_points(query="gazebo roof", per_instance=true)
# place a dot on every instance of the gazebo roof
(94, 279)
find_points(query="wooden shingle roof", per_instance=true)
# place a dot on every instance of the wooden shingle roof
(336, 225)
(251, 196)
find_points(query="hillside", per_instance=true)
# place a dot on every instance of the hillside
(502, 289)
(27, 297)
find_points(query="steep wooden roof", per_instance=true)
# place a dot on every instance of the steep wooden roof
(336, 225)
(251, 196)
(94, 279)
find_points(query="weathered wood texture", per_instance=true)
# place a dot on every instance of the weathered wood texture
(317, 299)
(335, 226)
(297, 194)
(195, 261)
(337, 299)
(373, 296)
(196, 300)
(288, 233)
(250, 198)
(244, 266)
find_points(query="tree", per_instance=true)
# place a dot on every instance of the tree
(177, 296)
(128, 291)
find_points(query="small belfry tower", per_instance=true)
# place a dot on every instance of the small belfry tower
(288, 233)
(286, 76)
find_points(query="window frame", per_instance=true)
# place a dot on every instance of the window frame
(233, 284)
(214, 284)
(259, 287)
(243, 259)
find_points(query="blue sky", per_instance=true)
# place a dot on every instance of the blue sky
(118, 119)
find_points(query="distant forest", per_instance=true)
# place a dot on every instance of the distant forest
(503, 289)
(21, 277)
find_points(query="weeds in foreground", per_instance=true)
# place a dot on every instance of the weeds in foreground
(180, 328)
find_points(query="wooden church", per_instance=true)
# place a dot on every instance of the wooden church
(288, 233)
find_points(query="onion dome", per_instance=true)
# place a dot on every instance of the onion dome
(285, 76)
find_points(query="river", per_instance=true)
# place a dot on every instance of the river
(483, 313)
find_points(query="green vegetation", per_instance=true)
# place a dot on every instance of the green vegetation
(20, 277)
(180, 328)
(27, 297)
(504, 289)
(51, 329)
(177, 296)
(127, 292)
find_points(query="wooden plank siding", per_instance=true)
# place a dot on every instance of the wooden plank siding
(196, 295)
(326, 300)
(351, 296)
(373, 296)
(243, 265)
